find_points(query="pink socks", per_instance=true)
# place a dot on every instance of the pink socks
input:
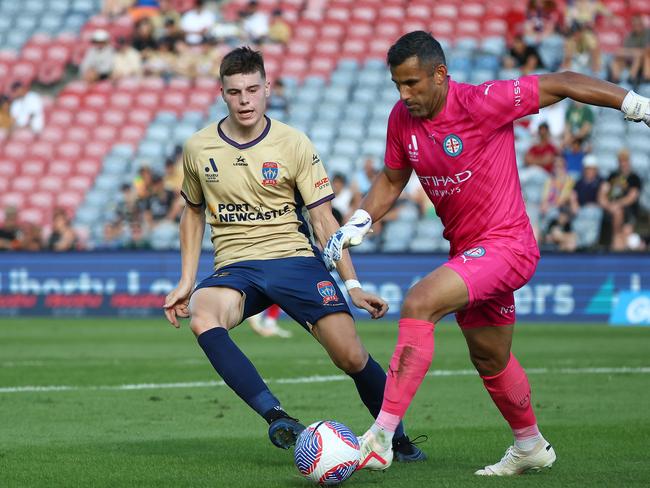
(408, 366)
(510, 392)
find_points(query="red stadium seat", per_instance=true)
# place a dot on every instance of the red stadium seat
(443, 29)
(121, 99)
(60, 117)
(42, 149)
(12, 199)
(472, 10)
(448, 11)
(104, 86)
(49, 72)
(140, 116)
(60, 167)
(113, 117)
(60, 53)
(379, 48)
(337, 13)
(78, 87)
(69, 199)
(306, 32)
(207, 84)
(43, 199)
(16, 150)
(95, 101)
(128, 85)
(152, 84)
(34, 53)
(354, 49)
(87, 117)
(69, 101)
(361, 30)
(105, 133)
(364, 14)
(23, 183)
(200, 100)
(97, 149)
(419, 10)
(33, 215)
(173, 102)
(80, 183)
(388, 30)
(147, 100)
(495, 27)
(300, 48)
(327, 47)
(4, 184)
(78, 134)
(32, 167)
(24, 71)
(88, 167)
(8, 168)
(51, 183)
(70, 150)
(23, 135)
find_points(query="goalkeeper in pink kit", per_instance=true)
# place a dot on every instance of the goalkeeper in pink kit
(459, 140)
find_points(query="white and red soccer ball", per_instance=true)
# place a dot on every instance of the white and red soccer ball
(327, 452)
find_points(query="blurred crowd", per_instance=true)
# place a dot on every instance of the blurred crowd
(558, 142)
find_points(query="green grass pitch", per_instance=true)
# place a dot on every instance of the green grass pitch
(590, 383)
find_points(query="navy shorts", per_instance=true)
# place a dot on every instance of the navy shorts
(302, 286)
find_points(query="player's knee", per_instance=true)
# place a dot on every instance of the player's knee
(201, 323)
(489, 364)
(352, 361)
(416, 307)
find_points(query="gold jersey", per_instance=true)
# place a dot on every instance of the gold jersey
(255, 194)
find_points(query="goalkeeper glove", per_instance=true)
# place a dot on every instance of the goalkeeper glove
(636, 108)
(351, 234)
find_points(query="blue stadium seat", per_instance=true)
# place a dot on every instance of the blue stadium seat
(124, 151)
(421, 244)
(347, 65)
(347, 147)
(195, 118)
(365, 95)
(158, 133)
(168, 118)
(494, 45)
(374, 147)
(84, 6)
(308, 95)
(338, 164)
(324, 132)
(164, 235)
(183, 132)
(114, 165)
(329, 113)
(336, 94)
(343, 78)
(370, 78)
(586, 225)
(314, 82)
(429, 228)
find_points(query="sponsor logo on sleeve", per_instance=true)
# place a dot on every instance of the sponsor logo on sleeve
(211, 172)
(324, 183)
(315, 159)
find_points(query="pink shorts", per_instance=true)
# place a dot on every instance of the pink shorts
(492, 272)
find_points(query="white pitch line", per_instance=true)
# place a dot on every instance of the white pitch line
(303, 379)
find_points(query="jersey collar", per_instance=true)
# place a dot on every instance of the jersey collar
(247, 144)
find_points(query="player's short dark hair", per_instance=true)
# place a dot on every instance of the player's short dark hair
(417, 43)
(242, 60)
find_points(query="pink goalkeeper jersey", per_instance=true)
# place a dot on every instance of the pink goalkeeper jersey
(465, 159)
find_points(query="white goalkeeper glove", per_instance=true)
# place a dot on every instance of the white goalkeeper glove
(351, 234)
(636, 108)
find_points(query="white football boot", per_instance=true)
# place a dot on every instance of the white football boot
(515, 461)
(376, 451)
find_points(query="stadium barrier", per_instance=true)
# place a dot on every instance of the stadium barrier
(565, 288)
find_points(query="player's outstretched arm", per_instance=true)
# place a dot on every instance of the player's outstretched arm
(191, 231)
(383, 193)
(554, 87)
(324, 224)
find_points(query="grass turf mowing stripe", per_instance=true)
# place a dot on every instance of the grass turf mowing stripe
(307, 379)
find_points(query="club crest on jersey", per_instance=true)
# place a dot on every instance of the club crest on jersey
(453, 145)
(327, 291)
(270, 173)
(475, 252)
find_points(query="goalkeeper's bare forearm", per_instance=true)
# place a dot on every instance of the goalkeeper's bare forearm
(384, 192)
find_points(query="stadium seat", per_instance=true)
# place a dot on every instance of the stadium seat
(586, 225)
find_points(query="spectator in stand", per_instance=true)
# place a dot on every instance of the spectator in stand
(585, 13)
(579, 123)
(255, 22)
(143, 38)
(115, 8)
(162, 204)
(559, 234)
(27, 107)
(574, 156)
(587, 188)
(208, 59)
(63, 236)
(97, 63)
(557, 190)
(142, 182)
(127, 62)
(634, 55)
(166, 14)
(543, 19)
(10, 230)
(344, 198)
(126, 208)
(555, 210)
(138, 237)
(6, 120)
(197, 22)
(278, 99)
(170, 34)
(280, 29)
(173, 177)
(113, 236)
(582, 51)
(31, 238)
(619, 196)
(543, 152)
(364, 177)
(162, 62)
(142, 9)
(522, 56)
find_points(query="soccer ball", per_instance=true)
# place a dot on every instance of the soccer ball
(327, 452)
